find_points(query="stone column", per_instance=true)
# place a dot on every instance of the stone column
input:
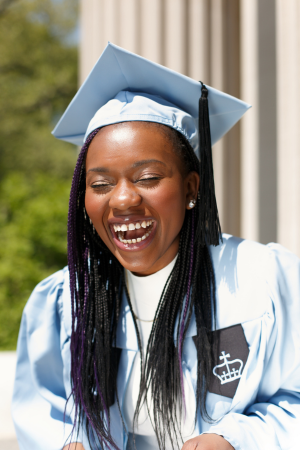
(108, 19)
(175, 35)
(258, 127)
(225, 75)
(151, 17)
(288, 122)
(198, 40)
(129, 24)
(87, 39)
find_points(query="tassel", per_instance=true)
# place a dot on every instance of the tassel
(210, 228)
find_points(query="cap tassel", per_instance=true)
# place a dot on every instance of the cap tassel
(210, 228)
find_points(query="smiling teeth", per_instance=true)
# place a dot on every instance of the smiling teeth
(133, 226)
(133, 241)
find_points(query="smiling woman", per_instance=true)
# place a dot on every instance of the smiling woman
(146, 175)
(161, 332)
(138, 198)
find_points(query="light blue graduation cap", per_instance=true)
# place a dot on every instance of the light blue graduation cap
(124, 87)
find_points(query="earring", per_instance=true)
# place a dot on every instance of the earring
(192, 203)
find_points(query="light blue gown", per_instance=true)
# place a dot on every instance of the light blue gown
(257, 286)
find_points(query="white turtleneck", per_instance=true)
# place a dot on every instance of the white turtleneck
(145, 293)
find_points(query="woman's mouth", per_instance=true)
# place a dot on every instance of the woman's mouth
(133, 235)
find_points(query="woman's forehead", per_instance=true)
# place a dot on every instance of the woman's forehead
(140, 135)
(131, 142)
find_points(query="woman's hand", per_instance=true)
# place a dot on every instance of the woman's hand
(74, 446)
(207, 442)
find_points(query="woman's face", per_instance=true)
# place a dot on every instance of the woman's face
(137, 194)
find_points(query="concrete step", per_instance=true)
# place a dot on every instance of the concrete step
(8, 439)
(9, 445)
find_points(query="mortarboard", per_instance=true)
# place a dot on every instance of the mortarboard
(119, 70)
(123, 87)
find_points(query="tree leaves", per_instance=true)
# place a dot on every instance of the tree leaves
(38, 78)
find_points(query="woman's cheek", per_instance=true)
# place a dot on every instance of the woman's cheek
(94, 206)
(170, 206)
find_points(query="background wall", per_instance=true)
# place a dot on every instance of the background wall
(249, 49)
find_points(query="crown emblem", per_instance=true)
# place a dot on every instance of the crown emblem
(234, 369)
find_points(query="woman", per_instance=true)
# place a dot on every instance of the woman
(159, 334)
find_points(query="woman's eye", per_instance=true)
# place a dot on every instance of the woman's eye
(100, 186)
(149, 179)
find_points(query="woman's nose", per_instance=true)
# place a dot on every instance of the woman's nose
(124, 197)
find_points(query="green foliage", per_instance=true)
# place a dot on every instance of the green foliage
(38, 78)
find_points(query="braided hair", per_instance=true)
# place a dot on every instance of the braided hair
(97, 283)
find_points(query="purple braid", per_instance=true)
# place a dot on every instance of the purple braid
(86, 287)
(78, 316)
(187, 301)
(100, 393)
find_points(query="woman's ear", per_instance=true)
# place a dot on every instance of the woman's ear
(192, 182)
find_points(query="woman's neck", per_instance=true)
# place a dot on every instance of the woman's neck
(145, 292)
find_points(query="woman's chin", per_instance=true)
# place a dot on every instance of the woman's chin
(141, 261)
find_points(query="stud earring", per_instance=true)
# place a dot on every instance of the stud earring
(192, 203)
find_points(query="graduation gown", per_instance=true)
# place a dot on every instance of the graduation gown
(254, 395)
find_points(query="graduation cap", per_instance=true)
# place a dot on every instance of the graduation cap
(124, 87)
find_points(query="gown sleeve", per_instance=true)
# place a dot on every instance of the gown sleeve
(273, 421)
(39, 398)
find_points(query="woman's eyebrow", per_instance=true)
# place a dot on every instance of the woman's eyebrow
(136, 164)
(98, 169)
(148, 161)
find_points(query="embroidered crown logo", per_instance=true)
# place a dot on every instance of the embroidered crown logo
(234, 369)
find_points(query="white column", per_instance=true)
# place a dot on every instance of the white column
(288, 118)
(218, 81)
(267, 122)
(225, 75)
(175, 16)
(110, 22)
(199, 40)
(232, 145)
(249, 123)
(258, 87)
(88, 16)
(96, 24)
(129, 24)
(151, 30)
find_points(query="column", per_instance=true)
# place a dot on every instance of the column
(225, 75)
(217, 49)
(232, 152)
(110, 22)
(288, 120)
(151, 29)
(175, 35)
(249, 123)
(198, 40)
(99, 23)
(258, 127)
(87, 41)
(129, 24)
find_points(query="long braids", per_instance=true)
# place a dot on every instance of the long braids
(96, 298)
(97, 282)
